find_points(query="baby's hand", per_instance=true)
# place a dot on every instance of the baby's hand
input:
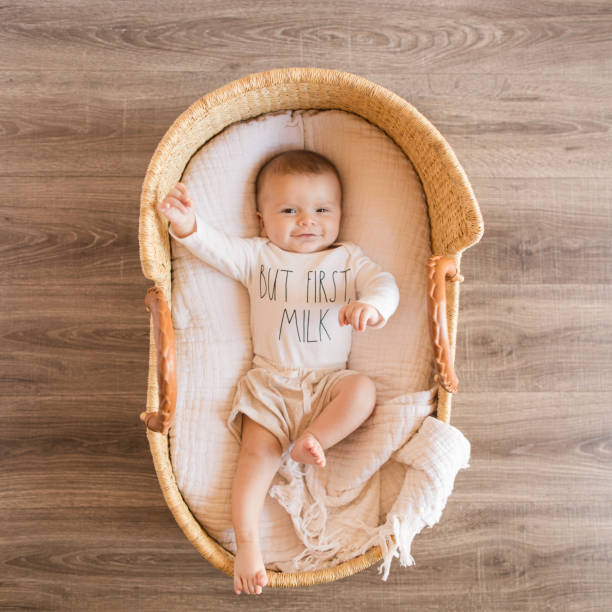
(359, 315)
(177, 207)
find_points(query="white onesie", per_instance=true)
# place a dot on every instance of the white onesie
(295, 297)
(299, 346)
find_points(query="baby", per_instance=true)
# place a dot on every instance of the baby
(307, 293)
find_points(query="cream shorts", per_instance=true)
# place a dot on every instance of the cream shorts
(283, 400)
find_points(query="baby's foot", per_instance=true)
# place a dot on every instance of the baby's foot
(249, 571)
(308, 450)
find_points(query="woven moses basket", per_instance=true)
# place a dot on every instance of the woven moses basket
(455, 224)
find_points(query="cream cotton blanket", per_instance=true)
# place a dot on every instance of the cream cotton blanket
(339, 511)
(384, 482)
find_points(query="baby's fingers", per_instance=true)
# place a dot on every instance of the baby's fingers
(184, 194)
(368, 317)
(359, 318)
(182, 188)
(172, 202)
(179, 194)
(347, 314)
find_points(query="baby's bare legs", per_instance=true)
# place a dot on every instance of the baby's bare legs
(352, 401)
(258, 461)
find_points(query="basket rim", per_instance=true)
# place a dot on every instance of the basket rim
(237, 88)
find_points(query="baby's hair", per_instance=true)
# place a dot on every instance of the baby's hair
(295, 161)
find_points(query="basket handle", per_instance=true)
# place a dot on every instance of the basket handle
(441, 269)
(161, 420)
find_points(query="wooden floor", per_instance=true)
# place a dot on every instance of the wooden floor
(521, 90)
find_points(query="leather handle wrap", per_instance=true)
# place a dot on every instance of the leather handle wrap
(161, 420)
(441, 269)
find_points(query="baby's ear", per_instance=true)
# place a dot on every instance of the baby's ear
(262, 228)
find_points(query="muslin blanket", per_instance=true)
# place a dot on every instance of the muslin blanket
(390, 477)
(339, 511)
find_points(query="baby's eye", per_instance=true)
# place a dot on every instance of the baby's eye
(289, 211)
(322, 210)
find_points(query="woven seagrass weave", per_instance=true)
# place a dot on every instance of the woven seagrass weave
(454, 217)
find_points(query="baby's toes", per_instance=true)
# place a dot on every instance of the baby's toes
(237, 585)
(252, 586)
(317, 452)
(245, 585)
(261, 578)
(309, 444)
(314, 448)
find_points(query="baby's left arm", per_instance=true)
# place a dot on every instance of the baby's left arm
(377, 294)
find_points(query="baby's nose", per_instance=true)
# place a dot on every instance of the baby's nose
(305, 219)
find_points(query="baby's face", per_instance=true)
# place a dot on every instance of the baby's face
(300, 212)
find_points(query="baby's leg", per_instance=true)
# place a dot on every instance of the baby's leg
(352, 401)
(258, 461)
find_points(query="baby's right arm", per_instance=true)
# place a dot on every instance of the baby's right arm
(231, 255)
(177, 207)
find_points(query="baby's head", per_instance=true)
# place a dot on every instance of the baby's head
(298, 195)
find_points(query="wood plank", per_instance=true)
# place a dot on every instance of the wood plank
(512, 556)
(499, 126)
(560, 37)
(64, 342)
(72, 232)
(529, 446)
(534, 338)
(78, 133)
(542, 232)
(86, 451)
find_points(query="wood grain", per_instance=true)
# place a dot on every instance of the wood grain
(535, 337)
(499, 125)
(521, 91)
(73, 231)
(544, 231)
(540, 447)
(447, 36)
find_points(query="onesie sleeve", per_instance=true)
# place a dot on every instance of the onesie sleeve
(231, 255)
(374, 286)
